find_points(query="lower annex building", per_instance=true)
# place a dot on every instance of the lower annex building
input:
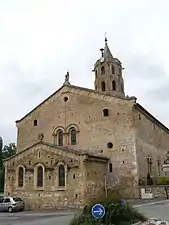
(78, 138)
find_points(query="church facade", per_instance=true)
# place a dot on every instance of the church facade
(79, 142)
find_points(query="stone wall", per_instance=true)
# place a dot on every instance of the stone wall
(50, 195)
(84, 109)
(152, 140)
(94, 185)
(157, 191)
(83, 178)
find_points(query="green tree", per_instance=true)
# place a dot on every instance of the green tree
(1, 156)
(1, 179)
(1, 166)
(9, 150)
(5, 152)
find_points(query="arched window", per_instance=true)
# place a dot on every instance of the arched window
(112, 69)
(149, 164)
(73, 136)
(105, 112)
(20, 177)
(103, 86)
(61, 176)
(102, 70)
(114, 85)
(110, 168)
(60, 137)
(40, 176)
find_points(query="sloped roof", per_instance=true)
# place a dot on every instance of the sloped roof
(137, 105)
(107, 53)
(151, 117)
(79, 152)
(75, 87)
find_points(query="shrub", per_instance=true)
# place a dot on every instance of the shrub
(84, 220)
(1, 180)
(116, 193)
(116, 213)
(163, 181)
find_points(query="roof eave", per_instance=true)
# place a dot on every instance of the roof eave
(76, 87)
(96, 157)
(141, 108)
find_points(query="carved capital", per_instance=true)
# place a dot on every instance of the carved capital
(48, 169)
(31, 170)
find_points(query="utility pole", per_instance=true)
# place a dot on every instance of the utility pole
(1, 146)
(105, 185)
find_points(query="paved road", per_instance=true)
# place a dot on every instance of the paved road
(23, 218)
(160, 210)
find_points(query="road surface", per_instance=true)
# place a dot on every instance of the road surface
(160, 210)
(26, 218)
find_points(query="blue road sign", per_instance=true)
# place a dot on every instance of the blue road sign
(98, 211)
(122, 202)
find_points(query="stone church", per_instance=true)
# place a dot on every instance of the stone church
(79, 142)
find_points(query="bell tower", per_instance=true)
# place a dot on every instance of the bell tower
(108, 73)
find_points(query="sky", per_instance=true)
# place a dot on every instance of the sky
(40, 40)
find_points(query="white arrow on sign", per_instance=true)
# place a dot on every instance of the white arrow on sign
(165, 165)
(100, 211)
(166, 169)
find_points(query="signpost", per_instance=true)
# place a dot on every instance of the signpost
(165, 167)
(122, 202)
(98, 211)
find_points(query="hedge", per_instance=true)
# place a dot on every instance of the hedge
(162, 181)
(1, 180)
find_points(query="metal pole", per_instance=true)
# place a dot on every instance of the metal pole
(65, 115)
(166, 191)
(105, 185)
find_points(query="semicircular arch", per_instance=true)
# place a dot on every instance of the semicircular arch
(56, 129)
(70, 126)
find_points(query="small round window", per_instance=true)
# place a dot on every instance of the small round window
(109, 145)
(65, 99)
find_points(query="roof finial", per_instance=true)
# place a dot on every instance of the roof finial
(67, 79)
(105, 38)
(107, 52)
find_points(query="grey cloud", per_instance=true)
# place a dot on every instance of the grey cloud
(148, 80)
(146, 76)
(8, 132)
(39, 46)
(142, 66)
(159, 94)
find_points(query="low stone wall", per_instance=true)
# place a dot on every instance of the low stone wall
(154, 221)
(156, 191)
(50, 200)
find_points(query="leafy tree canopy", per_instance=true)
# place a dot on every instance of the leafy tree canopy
(5, 152)
(1, 157)
(8, 150)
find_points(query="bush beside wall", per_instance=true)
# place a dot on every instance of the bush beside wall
(116, 213)
(162, 181)
(2, 180)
